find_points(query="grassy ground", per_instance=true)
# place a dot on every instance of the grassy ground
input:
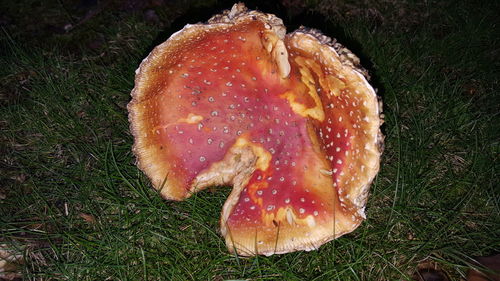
(75, 205)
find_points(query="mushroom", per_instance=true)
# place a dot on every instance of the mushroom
(288, 120)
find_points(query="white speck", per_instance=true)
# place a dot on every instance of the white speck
(282, 179)
(211, 99)
(274, 191)
(301, 210)
(209, 141)
(315, 213)
(202, 159)
(302, 199)
(259, 192)
(270, 207)
(337, 149)
(229, 84)
(287, 200)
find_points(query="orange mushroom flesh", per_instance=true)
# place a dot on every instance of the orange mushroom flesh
(288, 122)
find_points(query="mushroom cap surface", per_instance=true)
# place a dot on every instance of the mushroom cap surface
(288, 120)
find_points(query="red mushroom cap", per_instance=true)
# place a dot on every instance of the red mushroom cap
(289, 121)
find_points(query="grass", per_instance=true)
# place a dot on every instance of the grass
(76, 206)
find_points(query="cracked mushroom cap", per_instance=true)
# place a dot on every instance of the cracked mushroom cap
(288, 120)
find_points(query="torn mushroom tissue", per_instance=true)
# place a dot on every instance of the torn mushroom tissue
(288, 120)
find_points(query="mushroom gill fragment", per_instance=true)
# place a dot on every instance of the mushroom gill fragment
(288, 120)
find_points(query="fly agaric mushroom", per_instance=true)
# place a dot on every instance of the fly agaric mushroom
(288, 120)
